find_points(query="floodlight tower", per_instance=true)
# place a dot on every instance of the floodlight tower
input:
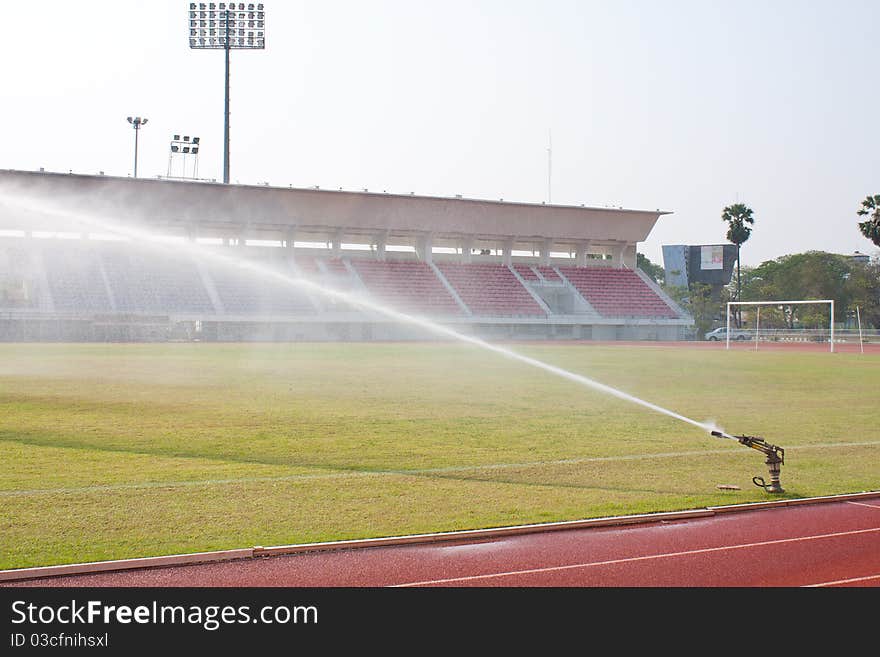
(184, 148)
(226, 26)
(136, 123)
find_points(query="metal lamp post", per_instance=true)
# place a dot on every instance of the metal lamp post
(226, 26)
(136, 123)
(185, 149)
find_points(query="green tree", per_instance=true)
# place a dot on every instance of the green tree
(700, 303)
(656, 272)
(864, 290)
(871, 227)
(813, 275)
(739, 219)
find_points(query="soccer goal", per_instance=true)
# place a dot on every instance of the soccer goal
(758, 304)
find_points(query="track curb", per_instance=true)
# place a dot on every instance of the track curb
(39, 572)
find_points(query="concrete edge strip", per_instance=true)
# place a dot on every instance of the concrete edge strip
(469, 534)
(488, 533)
(124, 564)
(794, 502)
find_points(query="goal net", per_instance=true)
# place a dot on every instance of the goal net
(820, 335)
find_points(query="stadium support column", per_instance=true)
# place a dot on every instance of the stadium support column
(467, 245)
(290, 243)
(336, 243)
(507, 251)
(581, 251)
(618, 255)
(381, 245)
(546, 246)
(425, 248)
(629, 255)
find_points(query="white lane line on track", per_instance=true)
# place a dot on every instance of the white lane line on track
(398, 473)
(648, 557)
(852, 580)
(873, 506)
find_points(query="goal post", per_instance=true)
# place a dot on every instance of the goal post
(781, 303)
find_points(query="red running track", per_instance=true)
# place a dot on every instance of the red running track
(828, 544)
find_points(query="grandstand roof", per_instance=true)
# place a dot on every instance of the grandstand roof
(262, 211)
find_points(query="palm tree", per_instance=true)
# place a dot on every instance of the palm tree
(871, 227)
(739, 219)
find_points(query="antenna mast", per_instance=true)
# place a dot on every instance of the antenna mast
(549, 166)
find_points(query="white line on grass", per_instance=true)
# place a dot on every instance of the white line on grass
(647, 557)
(394, 473)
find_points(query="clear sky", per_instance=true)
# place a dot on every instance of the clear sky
(682, 105)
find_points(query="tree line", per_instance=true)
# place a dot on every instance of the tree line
(851, 282)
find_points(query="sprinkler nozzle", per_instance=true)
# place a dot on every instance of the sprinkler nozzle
(775, 459)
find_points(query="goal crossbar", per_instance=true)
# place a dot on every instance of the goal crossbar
(781, 303)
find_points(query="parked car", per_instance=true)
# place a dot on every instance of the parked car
(721, 334)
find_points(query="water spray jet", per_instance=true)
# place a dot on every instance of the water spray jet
(775, 459)
(38, 206)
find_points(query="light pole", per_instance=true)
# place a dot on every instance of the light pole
(184, 148)
(136, 123)
(226, 26)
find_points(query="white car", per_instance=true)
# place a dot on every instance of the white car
(721, 334)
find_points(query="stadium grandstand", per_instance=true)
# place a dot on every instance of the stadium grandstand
(497, 269)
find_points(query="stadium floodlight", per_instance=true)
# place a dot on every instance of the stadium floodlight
(136, 123)
(182, 147)
(226, 26)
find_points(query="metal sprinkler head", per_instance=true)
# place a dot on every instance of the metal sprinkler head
(775, 459)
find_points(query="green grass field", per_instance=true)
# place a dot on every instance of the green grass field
(117, 451)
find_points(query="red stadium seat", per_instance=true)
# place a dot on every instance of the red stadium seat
(491, 290)
(617, 292)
